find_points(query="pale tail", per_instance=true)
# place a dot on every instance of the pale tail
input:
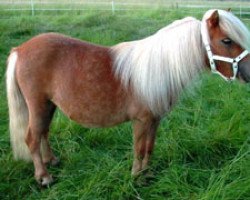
(18, 112)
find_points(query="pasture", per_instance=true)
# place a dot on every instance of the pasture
(202, 149)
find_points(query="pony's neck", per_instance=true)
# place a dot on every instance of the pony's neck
(158, 67)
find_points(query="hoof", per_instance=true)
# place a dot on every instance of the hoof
(53, 162)
(137, 168)
(138, 171)
(45, 181)
(135, 173)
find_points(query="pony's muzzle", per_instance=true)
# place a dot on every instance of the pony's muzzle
(244, 70)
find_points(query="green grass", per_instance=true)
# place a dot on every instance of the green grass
(202, 149)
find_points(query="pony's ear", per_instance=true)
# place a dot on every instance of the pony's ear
(229, 10)
(213, 20)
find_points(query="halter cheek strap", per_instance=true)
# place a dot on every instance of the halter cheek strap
(212, 57)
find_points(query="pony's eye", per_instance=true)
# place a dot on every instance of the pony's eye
(227, 41)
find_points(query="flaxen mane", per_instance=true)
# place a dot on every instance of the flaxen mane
(158, 67)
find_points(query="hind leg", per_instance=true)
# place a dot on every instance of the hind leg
(39, 121)
(47, 154)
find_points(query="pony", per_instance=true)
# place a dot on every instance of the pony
(99, 86)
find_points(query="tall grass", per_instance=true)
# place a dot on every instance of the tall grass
(203, 146)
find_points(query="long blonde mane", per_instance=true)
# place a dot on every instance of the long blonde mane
(159, 66)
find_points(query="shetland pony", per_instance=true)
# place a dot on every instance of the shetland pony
(99, 86)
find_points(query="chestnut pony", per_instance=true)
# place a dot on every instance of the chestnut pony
(99, 86)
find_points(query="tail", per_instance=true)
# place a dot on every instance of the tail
(18, 112)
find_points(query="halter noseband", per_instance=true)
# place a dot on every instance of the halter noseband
(212, 57)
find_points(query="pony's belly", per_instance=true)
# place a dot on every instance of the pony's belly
(94, 112)
(98, 118)
(107, 122)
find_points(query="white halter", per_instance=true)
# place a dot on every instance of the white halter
(212, 57)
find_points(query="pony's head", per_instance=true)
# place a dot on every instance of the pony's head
(227, 41)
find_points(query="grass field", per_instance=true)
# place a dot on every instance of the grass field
(202, 149)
